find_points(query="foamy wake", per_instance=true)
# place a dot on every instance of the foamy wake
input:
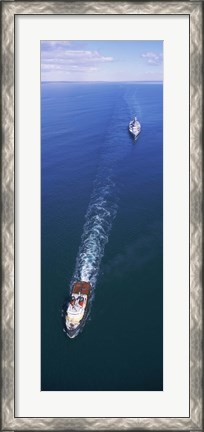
(103, 205)
(98, 222)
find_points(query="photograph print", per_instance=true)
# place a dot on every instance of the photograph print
(101, 215)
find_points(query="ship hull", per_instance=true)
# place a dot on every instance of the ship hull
(72, 333)
(133, 134)
(76, 314)
(134, 128)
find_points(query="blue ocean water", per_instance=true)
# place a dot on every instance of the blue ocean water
(102, 220)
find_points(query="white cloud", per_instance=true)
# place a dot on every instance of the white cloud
(153, 58)
(60, 55)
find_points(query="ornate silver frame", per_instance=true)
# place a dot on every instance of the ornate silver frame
(8, 11)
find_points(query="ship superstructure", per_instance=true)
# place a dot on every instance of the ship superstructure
(77, 307)
(134, 127)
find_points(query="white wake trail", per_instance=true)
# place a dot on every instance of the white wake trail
(98, 222)
(103, 205)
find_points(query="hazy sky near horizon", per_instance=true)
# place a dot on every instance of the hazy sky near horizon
(101, 60)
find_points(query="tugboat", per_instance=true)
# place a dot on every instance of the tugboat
(134, 127)
(77, 307)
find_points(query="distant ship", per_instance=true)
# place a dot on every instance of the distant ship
(134, 127)
(77, 308)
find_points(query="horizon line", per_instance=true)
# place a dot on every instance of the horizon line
(101, 81)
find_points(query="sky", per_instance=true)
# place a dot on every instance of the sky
(101, 61)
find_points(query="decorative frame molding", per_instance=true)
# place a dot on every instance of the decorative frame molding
(8, 11)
